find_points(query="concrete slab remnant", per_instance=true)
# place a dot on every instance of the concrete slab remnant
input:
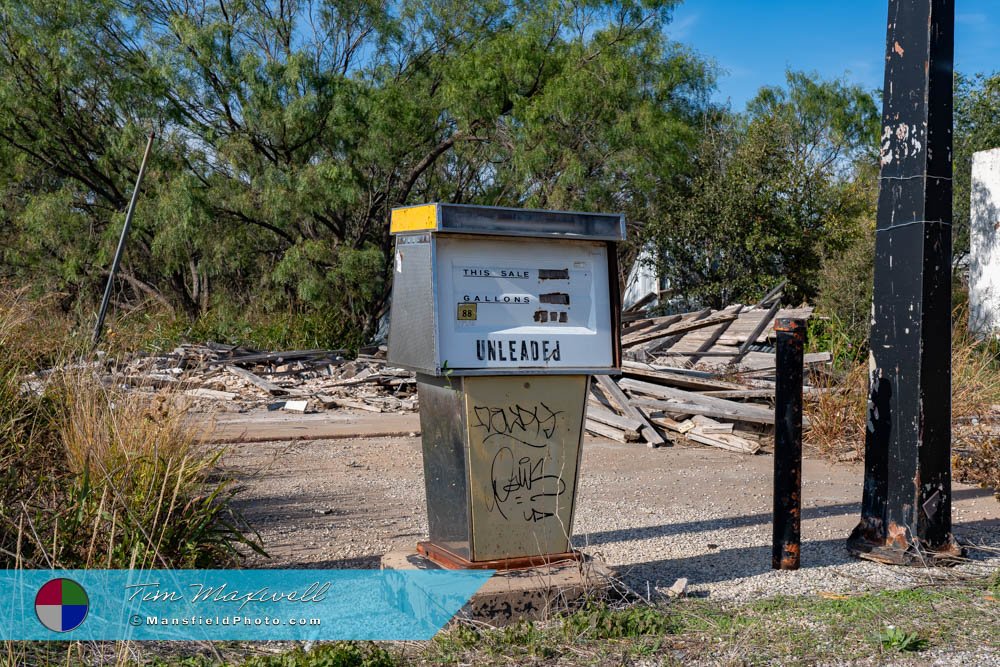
(530, 594)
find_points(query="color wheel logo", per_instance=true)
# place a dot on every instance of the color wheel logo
(61, 605)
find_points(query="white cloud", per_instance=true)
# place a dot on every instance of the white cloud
(972, 19)
(681, 28)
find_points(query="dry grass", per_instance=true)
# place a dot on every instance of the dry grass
(33, 332)
(838, 417)
(136, 459)
(93, 476)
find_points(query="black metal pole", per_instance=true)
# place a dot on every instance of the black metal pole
(121, 243)
(906, 507)
(791, 335)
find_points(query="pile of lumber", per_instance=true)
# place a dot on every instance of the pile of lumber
(706, 376)
(216, 377)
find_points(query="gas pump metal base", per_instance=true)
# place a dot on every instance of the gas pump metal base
(531, 593)
(501, 460)
(898, 549)
(452, 561)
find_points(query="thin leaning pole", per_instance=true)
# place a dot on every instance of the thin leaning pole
(99, 327)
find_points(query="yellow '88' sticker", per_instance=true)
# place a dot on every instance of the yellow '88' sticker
(466, 311)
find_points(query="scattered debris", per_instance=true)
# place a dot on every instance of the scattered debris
(220, 377)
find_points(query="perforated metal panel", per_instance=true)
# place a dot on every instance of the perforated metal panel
(412, 327)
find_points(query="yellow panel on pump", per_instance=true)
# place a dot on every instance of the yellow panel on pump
(413, 219)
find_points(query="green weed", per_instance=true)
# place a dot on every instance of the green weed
(603, 622)
(895, 639)
(340, 654)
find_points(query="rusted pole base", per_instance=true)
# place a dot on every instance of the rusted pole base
(900, 549)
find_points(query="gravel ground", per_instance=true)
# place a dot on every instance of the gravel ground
(706, 516)
(654, 515)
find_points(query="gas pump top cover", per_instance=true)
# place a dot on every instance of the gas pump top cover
(499, 221)
(487, 291)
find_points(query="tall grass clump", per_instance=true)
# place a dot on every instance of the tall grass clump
(27, 436)
(94, 476)
(837, 417)
(143, 486)
(975, 389)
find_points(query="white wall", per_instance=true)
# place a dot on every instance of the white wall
(642, 279)
(984, 258)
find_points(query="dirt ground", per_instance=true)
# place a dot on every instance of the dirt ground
(654, 514)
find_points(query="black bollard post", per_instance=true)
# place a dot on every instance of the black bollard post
(791, 335)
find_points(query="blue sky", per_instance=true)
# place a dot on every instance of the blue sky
(755, 41)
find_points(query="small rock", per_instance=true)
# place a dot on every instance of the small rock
(679, 589)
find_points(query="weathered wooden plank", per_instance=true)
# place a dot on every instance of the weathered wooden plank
(810, 359)
(708, 425)
(641, 303)
(622, 402)
(638, 335)
(742, 393)
(349, 403)
(739, 333)
(764, 322)
(162, 380)
(688, 353)
(678, 407)
(672, 424)
(610, 432)
(707, 345)
(678, 401)
(258, 381)
(808, 392)
(641, 352)
(630, 327)
(597, 397)
(636, 369)
(211, 393)
(611, 419)
(774, 294)
(680, 328)
(728, 441)
(289, 355)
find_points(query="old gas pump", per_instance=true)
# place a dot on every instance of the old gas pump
(504, 314)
